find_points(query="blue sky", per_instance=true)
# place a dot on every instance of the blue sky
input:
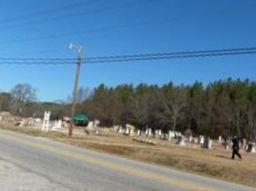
(114, 27)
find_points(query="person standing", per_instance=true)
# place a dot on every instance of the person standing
(235, 148)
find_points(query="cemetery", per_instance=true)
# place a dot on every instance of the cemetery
(194, 153)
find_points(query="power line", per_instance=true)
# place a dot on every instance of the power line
(183, 53)
(102, 29)
(34, 15)
(35, 59)
(130, 58)
(63, 17)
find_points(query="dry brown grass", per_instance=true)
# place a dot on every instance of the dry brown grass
(214, 163)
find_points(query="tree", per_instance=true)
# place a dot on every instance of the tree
(175, 101)
(22, 96)
(224, 107)
(82, 94)
(5, 99)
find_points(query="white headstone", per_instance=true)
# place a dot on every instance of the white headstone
(195, 140)
(127, 130)
(57, 125)
(254, 149)
(210, 144)
(220, 140)
(146, 132)
(170, 135)
(207, 143)
(251, 148)
(131, 132)
(138, 132)
(181, 141)
(156, 134)
(115, 128)
(177, 134)
(46, 121)
(160, 132)
(120, 130)
(243, 144)
(201, 140)
(149, 132)
(190, 139)
(96, 123)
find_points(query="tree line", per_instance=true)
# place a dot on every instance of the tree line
(224, 107)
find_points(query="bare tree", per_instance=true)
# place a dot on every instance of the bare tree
(22, 95)
(174, 106)
(82, 94)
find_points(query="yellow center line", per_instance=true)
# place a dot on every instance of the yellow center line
(109, 165)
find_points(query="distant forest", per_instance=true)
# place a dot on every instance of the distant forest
(224, 107)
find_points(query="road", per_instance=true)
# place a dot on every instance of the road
(38, 164)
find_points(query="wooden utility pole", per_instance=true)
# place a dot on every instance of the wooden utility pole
(74, 100)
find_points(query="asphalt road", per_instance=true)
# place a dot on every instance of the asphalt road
(38, 164)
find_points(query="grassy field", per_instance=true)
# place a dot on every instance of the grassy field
(214, 163)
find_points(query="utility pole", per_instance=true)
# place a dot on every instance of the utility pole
(79, 48)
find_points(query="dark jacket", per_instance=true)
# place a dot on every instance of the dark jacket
(235, 142)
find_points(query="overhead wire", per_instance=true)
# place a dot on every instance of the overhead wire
(102, 29)
(129, 58)
(68, 16)
(34, 15)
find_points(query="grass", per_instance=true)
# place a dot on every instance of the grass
(214, 163)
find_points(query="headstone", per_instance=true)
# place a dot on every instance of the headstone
(30, 121)
(177, 134)
(156, 133)
(220, 140)
(90, 126)
(201, 140)
(207, 143)
(121, 130)
(227, 144)
(127, 130)
(251, 148)
(115, 128)
(159, 132)
(131, 132)
(243, 144)
(162, 136)
(138, 132)
(195, 140)
(22, 123)
(170, 135)
(57, 125)
(146, 132)
(96, 123)
(181, 141)
(46, 121)
(190, 139)
(131, 129)
(149, 132)
(38, 120)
